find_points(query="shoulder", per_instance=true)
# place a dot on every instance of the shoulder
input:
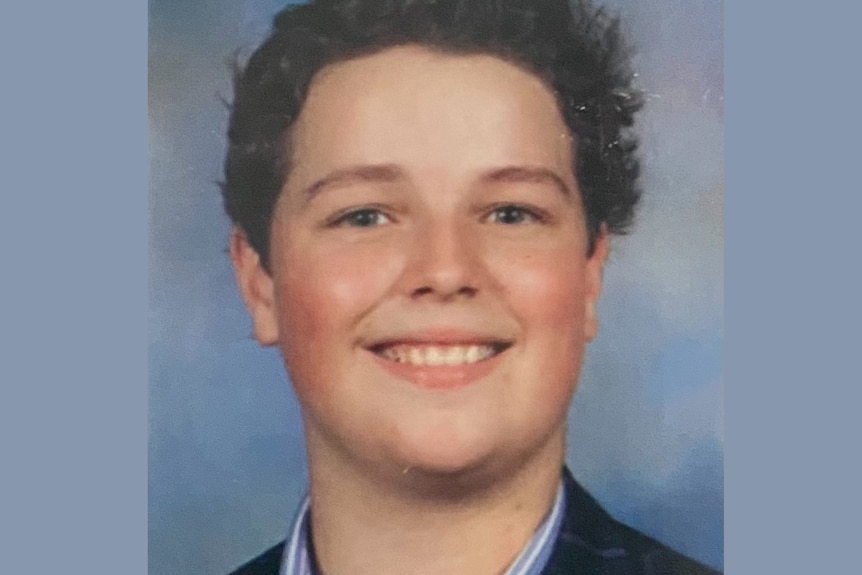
(591, 541)
(267, 563)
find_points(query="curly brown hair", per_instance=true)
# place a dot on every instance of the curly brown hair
(575, 48)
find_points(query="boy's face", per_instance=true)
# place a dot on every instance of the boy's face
(431, 291)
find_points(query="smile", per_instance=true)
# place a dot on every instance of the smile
(440, 364)
(438, 354)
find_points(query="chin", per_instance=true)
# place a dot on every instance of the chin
(445, 451)
(448, 464)
(468, 461)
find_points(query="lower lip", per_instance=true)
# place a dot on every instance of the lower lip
(440, 376)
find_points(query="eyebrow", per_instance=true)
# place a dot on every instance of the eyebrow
(527, 174)
(383, 173)
(391, 173)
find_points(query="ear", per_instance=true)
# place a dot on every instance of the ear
(256, 286)
(593, 283)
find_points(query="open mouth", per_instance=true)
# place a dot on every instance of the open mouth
(434, 355)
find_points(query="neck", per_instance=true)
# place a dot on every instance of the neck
(420, 522)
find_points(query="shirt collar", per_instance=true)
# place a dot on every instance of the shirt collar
(530, 561)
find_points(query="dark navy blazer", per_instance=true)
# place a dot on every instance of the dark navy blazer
(591, 542)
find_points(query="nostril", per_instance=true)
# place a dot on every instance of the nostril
(467, 291)
(463, 291)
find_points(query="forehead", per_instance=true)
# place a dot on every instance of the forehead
(418, 108)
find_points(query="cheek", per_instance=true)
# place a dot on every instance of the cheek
(546, 291)
(547, 297)
(322, 296)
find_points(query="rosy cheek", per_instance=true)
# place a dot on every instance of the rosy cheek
(545, 288)
(307, 321)
(355, 280)
(329, 289)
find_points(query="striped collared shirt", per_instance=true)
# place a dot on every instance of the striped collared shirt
(297, 559)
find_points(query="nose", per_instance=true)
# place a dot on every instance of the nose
(444, 262)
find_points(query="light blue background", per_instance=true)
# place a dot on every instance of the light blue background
(226, 463)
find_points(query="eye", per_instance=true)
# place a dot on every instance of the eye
(362, 218)
(512, 214)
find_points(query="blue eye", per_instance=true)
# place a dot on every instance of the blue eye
(363, 218)
(512, 214)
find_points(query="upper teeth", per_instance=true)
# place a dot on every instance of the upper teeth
(438, 355)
